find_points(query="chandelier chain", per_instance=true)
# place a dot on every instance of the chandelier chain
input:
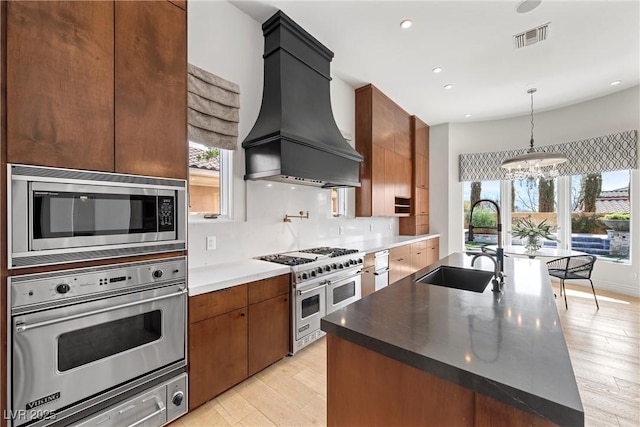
(531, 140)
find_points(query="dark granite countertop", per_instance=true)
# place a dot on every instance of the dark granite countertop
(507, 346)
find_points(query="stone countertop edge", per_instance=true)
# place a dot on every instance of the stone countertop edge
(225, 275)
(217, 277)
(532, 370)
(382, 243)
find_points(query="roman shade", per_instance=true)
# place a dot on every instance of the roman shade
(618, 151)
(213, 109)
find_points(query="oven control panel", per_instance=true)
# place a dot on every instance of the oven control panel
(48, 287)
(317, 269)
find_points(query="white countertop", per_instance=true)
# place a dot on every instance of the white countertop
(221, 276)
(216, 277)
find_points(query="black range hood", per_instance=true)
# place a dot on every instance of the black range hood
(295, 138)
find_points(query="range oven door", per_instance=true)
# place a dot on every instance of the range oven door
(310, 308)
(343, 292)
(64, 355)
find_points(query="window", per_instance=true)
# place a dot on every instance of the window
(484, 215)
(209, 180)
(339, 202)
(600, 214)
(537, 200)
(588, 213)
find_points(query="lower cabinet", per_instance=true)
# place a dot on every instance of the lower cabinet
(268, 332)
(217, 355)
(399, 263)
(407, 259)
(234, 333)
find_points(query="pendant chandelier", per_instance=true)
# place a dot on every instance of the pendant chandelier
(534, 164)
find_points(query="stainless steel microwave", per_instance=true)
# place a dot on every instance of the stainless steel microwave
(63, 215)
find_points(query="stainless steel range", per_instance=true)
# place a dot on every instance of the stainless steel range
(322, 281)
(99, 346)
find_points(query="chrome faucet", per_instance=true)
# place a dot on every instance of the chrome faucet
(498, 277)
(499, 259)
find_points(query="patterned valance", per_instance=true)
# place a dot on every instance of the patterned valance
(618, 151)
(213, 112)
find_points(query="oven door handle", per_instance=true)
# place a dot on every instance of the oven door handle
(21, 327)
(313, 289)
(161, 409)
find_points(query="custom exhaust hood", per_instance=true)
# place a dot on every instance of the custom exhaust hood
(295, 138)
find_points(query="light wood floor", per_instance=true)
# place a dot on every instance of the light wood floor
(604, 346)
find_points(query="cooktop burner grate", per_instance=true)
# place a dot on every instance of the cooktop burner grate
(285, 259)
(332, 252)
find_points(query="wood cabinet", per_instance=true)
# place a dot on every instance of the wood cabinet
(60, 84)
(383, 137)
(151, 89)
(433, 250)
(363, 389)
(407, 259)
(217, 343)
(418, 222)
(399, 263)
(418, 255)
(269, 329)
(234, 333)
(368, 275)
(97, 86)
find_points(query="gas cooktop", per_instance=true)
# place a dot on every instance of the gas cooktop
(307, 255)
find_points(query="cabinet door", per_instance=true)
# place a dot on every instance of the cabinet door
(151, 89)
(269, 332)
(402, 141)
(418, 255)
(383, 120)
(217, 355)
(422, 201)
(368, 281)
(433, 250)
(403, 183)
(60, 84)
(422, 171)
(399, 263)
(391, 179)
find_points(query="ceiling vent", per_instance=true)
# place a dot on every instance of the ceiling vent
(532, 36)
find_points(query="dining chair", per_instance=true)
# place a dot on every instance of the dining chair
(576, 267)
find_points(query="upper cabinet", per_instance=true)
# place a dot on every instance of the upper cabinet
(151, 89)
(97, 86)
(418, 222)
(60, 84)
(383, 137)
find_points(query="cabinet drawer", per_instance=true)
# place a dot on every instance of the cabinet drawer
(214, 303)
(261, 290)
(418, 246)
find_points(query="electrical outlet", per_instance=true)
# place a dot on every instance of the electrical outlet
(370, 228)
(211, 243)
(341, 230)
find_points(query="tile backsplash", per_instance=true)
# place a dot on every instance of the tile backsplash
(264, 232)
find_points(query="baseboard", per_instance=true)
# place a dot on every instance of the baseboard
(618, 288)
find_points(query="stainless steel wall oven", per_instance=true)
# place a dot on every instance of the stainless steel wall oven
(62, 215)
(87, 340)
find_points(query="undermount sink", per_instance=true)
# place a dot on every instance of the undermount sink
(459, 278)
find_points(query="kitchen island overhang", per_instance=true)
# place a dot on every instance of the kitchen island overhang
(507, 346)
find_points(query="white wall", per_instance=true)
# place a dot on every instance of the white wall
(229, 43)
(602, 116)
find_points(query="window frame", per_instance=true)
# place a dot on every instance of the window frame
(225, 177)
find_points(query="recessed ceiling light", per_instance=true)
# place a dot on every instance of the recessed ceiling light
(526, 6)
(467, 115)
(406, 23)
(615, 82)
(437, 70)
(449, 86)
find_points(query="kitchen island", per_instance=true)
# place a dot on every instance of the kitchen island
(419, 354)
